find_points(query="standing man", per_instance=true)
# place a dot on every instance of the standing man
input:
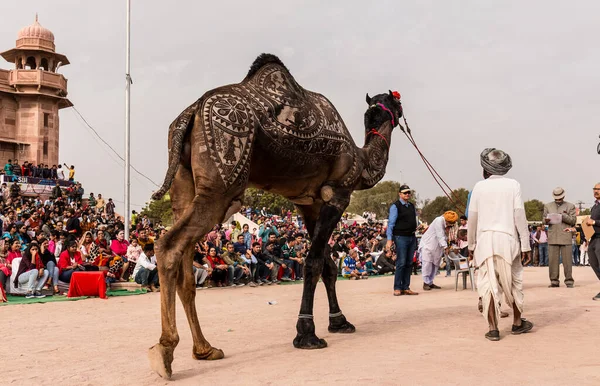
(559, 241)
(497, 223)
(402, 225)
(594, 244)
(541, 240)
(433, 245)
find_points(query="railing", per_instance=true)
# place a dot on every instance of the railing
(38, 78)
(4, 77)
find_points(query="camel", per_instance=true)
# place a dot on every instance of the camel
(267, 132)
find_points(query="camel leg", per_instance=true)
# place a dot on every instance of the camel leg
(337, 320)
(195, 214)
(186, 289)
(328, 217)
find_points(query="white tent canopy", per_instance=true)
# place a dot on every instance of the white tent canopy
(242, 220)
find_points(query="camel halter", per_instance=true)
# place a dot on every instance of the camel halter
(375, 132)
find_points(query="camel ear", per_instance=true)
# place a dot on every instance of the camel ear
(368, 99)
(391, 94)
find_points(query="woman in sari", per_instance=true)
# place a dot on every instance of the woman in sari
(89, 251)
(105, 254)
(119, 264)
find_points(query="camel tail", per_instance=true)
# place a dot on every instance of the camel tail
(177, 132)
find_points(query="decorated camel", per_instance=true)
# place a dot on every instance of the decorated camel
(271, 133)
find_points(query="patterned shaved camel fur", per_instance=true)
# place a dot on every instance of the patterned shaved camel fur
(299, 125)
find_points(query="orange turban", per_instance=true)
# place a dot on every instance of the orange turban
(450, 217)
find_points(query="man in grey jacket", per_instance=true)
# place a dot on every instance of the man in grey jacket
(559, 240)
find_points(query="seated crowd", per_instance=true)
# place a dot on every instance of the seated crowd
(45, 241)
(232, 255)
(65, 233)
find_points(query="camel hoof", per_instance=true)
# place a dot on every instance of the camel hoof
(345, 328)
(160, 360)
(212, 355)
(309, 342)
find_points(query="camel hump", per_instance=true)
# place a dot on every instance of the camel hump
(262, 60)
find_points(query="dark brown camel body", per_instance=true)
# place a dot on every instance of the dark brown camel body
(268, 132)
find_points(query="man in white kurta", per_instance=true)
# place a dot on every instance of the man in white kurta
(498, 235)
(432, 246)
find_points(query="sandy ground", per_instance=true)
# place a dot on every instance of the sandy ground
(431, 339)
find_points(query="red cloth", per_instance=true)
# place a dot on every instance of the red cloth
(87, 284)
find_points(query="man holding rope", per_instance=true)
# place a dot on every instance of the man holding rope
(497, 223)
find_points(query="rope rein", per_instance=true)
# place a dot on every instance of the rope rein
(451, 196)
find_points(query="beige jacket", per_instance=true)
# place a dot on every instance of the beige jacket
(556, 233)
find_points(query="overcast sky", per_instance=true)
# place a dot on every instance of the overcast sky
(522, 76)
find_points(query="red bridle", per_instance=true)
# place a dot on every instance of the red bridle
(375, 132)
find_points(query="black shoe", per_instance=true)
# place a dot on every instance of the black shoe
(523, 328)
(597, 297)
(570, 285)
(493, 335)
(433, 286)
(38, 294)
(554, 286)
(426, 287)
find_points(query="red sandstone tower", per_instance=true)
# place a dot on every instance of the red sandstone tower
(30, 96)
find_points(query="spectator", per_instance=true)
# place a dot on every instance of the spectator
(50, 264)
(71, 176)
(145, 272)
(32, 272)
(134, 250)
(100, 203)
(218, 266)
(118, 247)
(8, 168)
(110, 207)
(201, 270)
(70, 261)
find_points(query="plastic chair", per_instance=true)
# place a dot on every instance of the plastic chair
(461, 265)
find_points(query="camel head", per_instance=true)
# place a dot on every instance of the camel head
(383, 108)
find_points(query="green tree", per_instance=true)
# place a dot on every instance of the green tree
(585, 212)
(534, 210)
(377, 199)
(257, 199)
(436, 207)
(159, 210)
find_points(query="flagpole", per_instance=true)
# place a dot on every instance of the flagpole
(127, 213)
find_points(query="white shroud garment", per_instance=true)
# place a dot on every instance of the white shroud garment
(433, 242)
(497, 233)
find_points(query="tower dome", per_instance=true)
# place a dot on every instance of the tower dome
(36, 36)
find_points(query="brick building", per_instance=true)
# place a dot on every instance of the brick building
(31, 94)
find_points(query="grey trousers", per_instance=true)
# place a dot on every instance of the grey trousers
(200, 275)
(554, 254)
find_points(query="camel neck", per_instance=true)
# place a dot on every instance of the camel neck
(375, 155)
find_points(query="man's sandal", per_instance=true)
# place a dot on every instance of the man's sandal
(493, 335)
(523, 328)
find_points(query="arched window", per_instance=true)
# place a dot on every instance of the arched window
(44, 65)
(30, 63)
